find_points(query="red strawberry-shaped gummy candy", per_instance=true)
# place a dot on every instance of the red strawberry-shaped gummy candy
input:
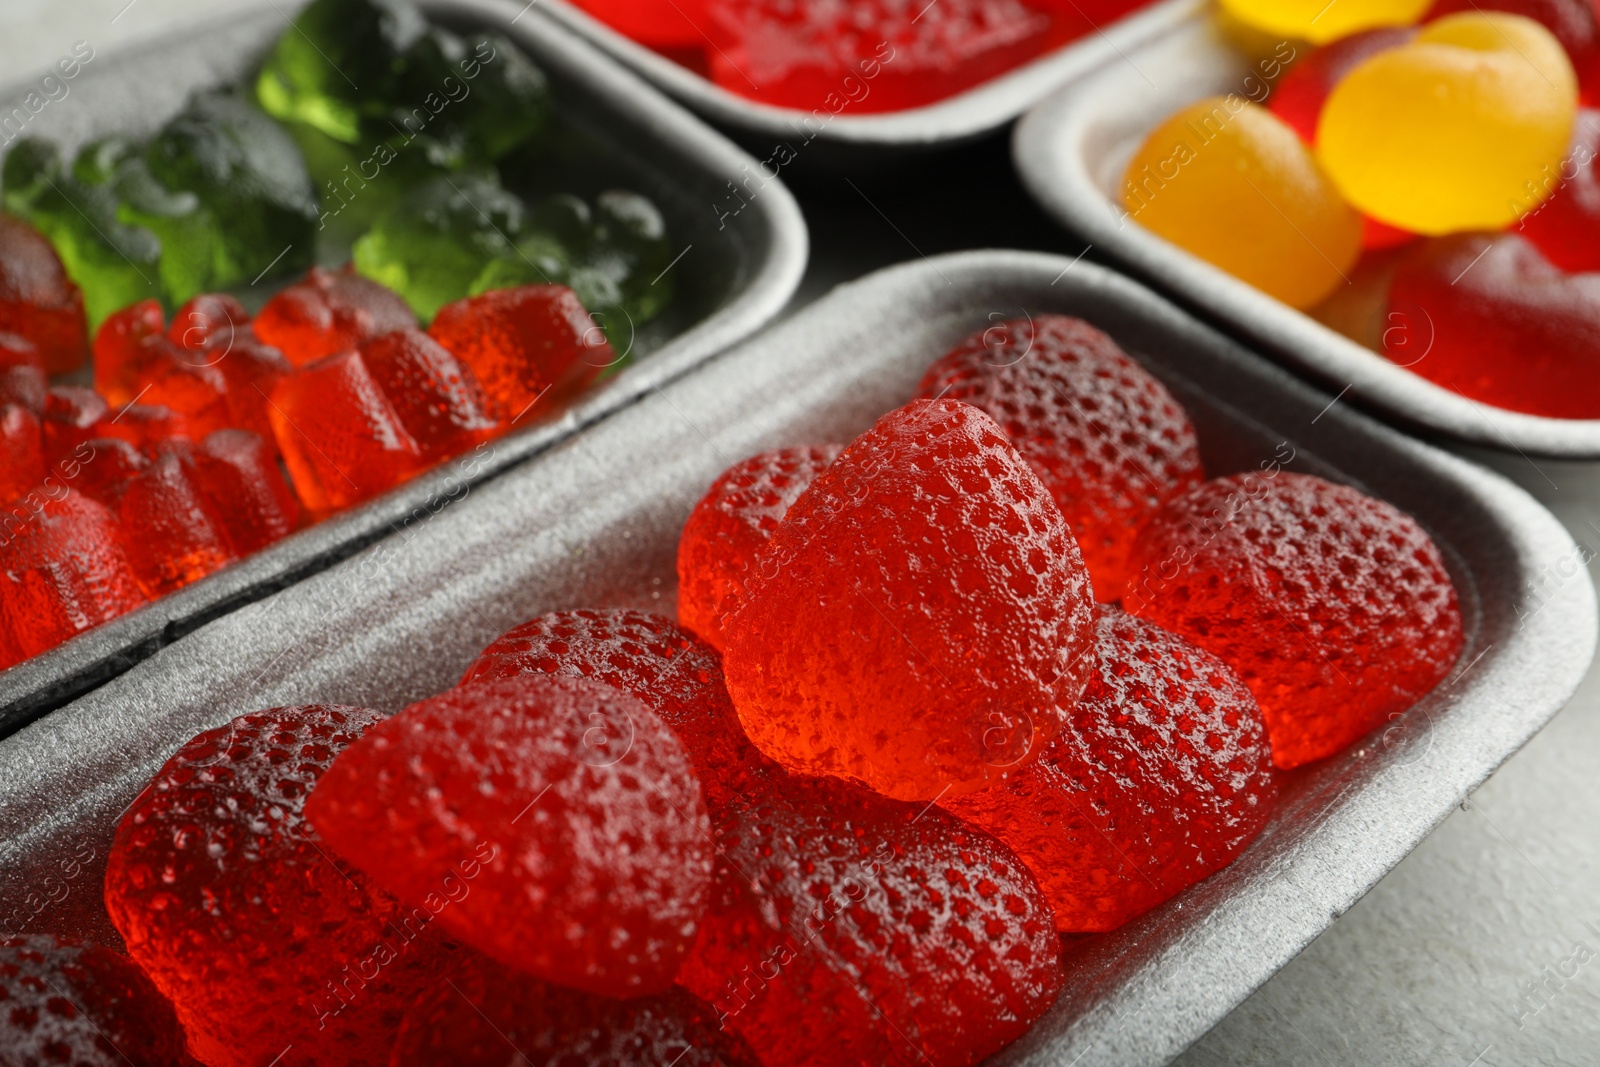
(847, 928)
(21, 452)
(730, 524)
(1106, 438)
(329, 311)
(37, 299)
(1566, 227)
(1160, 778)
(82, 1005)
(575, 805)
(922, 599)
(1333, 607)
(522, 342)
(436, 397)
(240, 479)
(1506, 326)
(22, 376)
(488, 1015)
(671, 671)
(267, 945)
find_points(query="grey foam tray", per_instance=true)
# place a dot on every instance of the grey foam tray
(1071, 151)
(737, 272)
(594, 522)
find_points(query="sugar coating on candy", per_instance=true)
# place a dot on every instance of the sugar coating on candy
(327, 312)
(37, 299)
(174, 532)
(1103, 434)
(522, 342)
(1333, 607)
(670, 670)
(1161, 777)
(489, 1015)
(84, 1005)
(848, 928)
(567, 807)
(730, 524)
(921, 618)
(245, 918)
(436, 397)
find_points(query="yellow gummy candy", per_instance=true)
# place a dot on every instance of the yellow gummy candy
(1321, 21)
(1456, 130)
(1231, 183)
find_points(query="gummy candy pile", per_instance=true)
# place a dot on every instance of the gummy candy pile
(212, 433)
(904, 735)
(857, 56)
(1429, 191)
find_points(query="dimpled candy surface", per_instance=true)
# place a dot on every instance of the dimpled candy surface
(730, 524)
(522, 342)
(82, 1005)
(669, 669)
(497, 1017)
(565, 813)
(1229, 182)
(1319, 22)
(1333, 607)
(238, 475)
(1455, 130)
(37, 299)
(329, 311)
(63, 569)
(1506, 327)
(922, 600)
(266, 945)
(847, 928)
(1161, 778)
(437, 398)
(1103, 434)
(1566, 227)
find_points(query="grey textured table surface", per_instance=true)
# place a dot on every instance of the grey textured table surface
(1483, 947)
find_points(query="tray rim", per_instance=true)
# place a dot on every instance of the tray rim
(1048, 150)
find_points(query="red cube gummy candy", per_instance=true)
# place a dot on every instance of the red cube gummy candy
(83, 1005)
(733, 522)
(21, 452)
(488, 1015)
(565, 809)
(230, 900)
(135, 363)
(22, 375)
(63, 569)
(922, 601)
(847, 928)
(340, 437)
(1566, 227)
(252, 371)
(668, 669)
(239, 476)
(103, 467)
(120, 346)
(145, 426)
(522, 342)
(1333, 607)
(1162, 777)
(175, 535)
(72, 415)
(329, 311)
(1103, 434)
(209, 321)
(37, 299)
(436, 396)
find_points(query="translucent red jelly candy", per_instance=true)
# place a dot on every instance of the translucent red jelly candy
(1497, 322)
(104, 467)
(209, 321)
(71, 414)
(922, 599)
(730, 524)
(235, 907)
(327, 312)
(1298, 96)
(1106, 438)
(120, 347)
(63, 570)
(240, 478)
(672, 672)
(564, 811)
(82, 1005)
(436, 397)
(523, 342)
(144, 426)
(848, 928)
(37, 299)
(1566, 227)
(174, 533)
(22, 375)
(1161, 778)
(489, 1015)
(1333, 607)
(21, 452)
(659, 24)
(340, 437)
